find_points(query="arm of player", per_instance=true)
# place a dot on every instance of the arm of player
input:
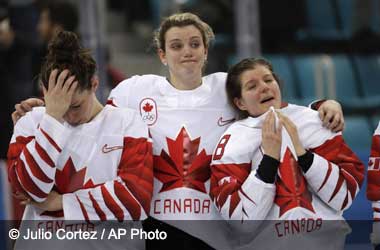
(239, 194)
(238, 191)
(128, 196)
(336, 173)
(33, 154)
(373, 174)
(330, 113)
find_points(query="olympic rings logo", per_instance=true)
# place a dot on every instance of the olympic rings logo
(148, 117)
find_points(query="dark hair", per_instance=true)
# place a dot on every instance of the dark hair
(181, 20)
(65, 52)
(63, 13)
(233, 82)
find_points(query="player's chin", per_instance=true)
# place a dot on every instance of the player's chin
(192, 68)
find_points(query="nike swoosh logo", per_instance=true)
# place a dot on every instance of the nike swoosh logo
(106, 149)
(222, 122)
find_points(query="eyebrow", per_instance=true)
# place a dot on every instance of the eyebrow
(253, 81)
(268, 75)
(177, 39)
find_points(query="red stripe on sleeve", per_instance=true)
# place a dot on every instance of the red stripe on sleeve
(111, 204)
(12, 176)
(344, 202)
(97, 208)
(127, 200)
(351, 169)
(350, 183)
(246, 196)
(27, 182)
(329, 170)
(337, 187)
(13, 156)
(84, 212)
(35, 169)
(52, 142)
(16, 148)
(136, 169)
(137, 188)
(336, 151)
(44, 156)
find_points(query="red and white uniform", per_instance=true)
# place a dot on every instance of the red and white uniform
(373, 185)
(185, 126)
(300, 202)
(103, 168)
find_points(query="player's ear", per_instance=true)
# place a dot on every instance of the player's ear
(94, 83)
(239, 102)
(162, 55)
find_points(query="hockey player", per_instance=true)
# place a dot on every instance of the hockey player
(278, 174)
(373, 187)
(186, 114)
(75, 159)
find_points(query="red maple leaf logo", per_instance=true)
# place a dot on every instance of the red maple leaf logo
(69, 180)
(291, 188)
(147, 107)
(183, 167)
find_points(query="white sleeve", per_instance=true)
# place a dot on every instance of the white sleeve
(33, 154)
(336, 173)
(235, 188)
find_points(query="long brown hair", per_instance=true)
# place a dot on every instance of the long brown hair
(65, 52)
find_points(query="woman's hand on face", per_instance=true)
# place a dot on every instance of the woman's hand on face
(59, 94)
(25, 106)
(331, 115)
(293, 132)
(271, 136)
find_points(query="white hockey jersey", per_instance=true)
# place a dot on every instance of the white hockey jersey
(292, 211)
(102, 168)
(373, 174)
(185, 126)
